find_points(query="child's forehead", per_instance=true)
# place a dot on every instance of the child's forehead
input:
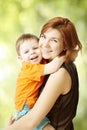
(30, 42)
(33, 41)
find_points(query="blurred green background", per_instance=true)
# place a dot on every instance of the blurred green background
(23, 16)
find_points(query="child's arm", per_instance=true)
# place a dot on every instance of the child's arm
(54, 65)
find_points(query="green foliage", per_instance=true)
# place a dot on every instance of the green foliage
(22, 16)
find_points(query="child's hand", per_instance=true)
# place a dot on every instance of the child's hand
(61, 59)
(10, 121)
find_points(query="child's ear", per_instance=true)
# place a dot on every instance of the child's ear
(20, 58)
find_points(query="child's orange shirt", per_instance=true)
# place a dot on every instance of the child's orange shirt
(28, 83)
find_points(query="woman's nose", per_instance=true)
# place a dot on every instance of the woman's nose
(46, 43)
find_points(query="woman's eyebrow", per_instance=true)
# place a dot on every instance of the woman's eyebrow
(54, 38)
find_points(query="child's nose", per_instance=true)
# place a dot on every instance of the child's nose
(32, 52)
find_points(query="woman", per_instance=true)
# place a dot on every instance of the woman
(59, 98)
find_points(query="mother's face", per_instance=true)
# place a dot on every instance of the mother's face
(51, 44)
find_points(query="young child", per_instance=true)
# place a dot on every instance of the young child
(31, 75)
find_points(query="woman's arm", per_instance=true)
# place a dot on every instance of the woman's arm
(57, 83)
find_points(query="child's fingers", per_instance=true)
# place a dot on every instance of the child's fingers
(11, 120)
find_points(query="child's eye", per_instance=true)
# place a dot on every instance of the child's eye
(35, 48)
(26, 52)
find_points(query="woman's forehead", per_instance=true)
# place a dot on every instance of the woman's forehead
(52, 33)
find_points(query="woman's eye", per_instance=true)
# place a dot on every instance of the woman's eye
(54, 40)
(42, 36)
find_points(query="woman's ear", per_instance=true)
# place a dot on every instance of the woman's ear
(63, 52)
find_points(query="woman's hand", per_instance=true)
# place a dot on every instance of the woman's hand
(11, 120)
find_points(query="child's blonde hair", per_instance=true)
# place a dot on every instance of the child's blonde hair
(22, 38)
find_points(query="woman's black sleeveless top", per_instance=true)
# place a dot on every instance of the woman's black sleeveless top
(64, 110)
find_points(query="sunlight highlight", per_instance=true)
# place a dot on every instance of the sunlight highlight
(2, 52)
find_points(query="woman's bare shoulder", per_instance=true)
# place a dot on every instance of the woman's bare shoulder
(62, 79)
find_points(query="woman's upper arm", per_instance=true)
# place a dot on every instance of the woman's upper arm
(55, 86)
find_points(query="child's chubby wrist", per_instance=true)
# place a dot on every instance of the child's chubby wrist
(62, 58)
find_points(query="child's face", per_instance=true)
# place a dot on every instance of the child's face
(30, 52)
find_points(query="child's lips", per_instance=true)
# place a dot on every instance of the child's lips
(33, 58)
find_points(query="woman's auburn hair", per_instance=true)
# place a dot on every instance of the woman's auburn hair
(68, 33)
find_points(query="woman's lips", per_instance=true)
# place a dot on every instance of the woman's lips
(46, 51)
